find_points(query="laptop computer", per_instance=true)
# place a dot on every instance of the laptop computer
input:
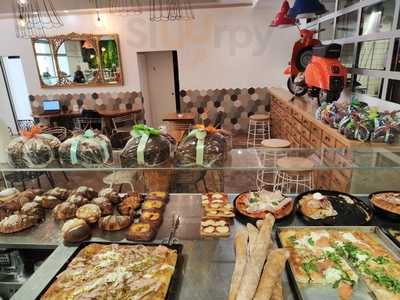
(51, 106)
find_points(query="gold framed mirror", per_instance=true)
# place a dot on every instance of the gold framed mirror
(78, 60)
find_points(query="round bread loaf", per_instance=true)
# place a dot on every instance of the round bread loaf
(75, 230)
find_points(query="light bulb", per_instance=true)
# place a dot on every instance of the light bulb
(22, 22)
(103, 49)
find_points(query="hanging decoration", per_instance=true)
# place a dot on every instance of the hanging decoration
(170, 10)
(282, 19)
(34, 17)
(121, 7)
(125, 7)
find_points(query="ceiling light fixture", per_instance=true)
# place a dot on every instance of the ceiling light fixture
(171, 10)
(125, 7)
(33, 17)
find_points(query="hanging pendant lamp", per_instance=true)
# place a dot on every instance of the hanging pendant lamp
(306, 9)
(282, 19)
(171, 10)
(33, 17)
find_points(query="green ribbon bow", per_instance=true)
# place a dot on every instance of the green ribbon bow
(200, 134)
(143, 132)
(89, 134)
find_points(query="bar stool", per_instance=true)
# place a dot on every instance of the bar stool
(269, 158)
(295, 175)
(259, 129)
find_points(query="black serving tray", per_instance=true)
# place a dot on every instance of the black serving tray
(390, 235)
(382, 212)
(173, 288)
(348, 214)
(246, 219)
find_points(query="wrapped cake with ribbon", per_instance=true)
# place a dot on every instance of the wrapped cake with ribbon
(203, 146)
(90, 149)
(33, 149)
(147, 147)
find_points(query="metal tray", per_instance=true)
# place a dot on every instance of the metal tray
(173, 288)
(315, 292)
(382, 212)
(391, 236)
(346, 214)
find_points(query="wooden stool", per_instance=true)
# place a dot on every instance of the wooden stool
(295, 175)
(259, 130)
(270, 155)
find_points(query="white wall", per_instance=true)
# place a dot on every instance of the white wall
(18, 88)
(222, 48)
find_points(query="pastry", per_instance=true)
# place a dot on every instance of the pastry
(75, 230)
(16, 223)
(78, 200)
(388, 201)
(59, 193)
(86, 192)
(114, 223)
(129, 205)
(105, 205)
(33, 209)
(152, 218)
(214, 198)
(89, 212)
(153, 205)
(214, 228)
(64, 211)
(141, 232)
(162, 196)
(115, 272)
(111, 195)
(316, 206)
(46, 201)
(16, 200)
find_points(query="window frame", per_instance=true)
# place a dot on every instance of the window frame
(386, 74)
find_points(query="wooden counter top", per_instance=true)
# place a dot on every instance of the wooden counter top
(307, 107)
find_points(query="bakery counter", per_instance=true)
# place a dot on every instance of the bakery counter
(207, 263)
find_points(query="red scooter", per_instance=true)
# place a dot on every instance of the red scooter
(315, 69)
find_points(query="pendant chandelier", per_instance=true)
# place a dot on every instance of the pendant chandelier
(125, 7)
(33, 17)
(170, 10)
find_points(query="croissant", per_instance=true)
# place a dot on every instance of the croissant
(86, 192)
(33, 209)
(114, 223)
(59, 193)
(105, 205)
(64, 211)
(111, 195)
(15, 223)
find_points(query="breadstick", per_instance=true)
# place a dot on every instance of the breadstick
(240, 262)
(253, 232)
(252, 272)
(277, 292)
(271, 274)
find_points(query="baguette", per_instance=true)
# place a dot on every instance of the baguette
(254, 267)
(253, 232)
(271, 274)
(277, 292)
(240, 262)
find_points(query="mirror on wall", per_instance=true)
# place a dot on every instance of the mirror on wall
(78, 60)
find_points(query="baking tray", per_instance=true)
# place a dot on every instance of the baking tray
(242, 218)
(391, 236)
(173, 288)
(318, 292)
(346, 215)
(382, 212)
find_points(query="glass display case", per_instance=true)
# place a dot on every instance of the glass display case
(207, 262)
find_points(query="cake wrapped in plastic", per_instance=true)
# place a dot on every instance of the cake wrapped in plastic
(88, 149)
(32, 149)
(147, 147)
(202, 147)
